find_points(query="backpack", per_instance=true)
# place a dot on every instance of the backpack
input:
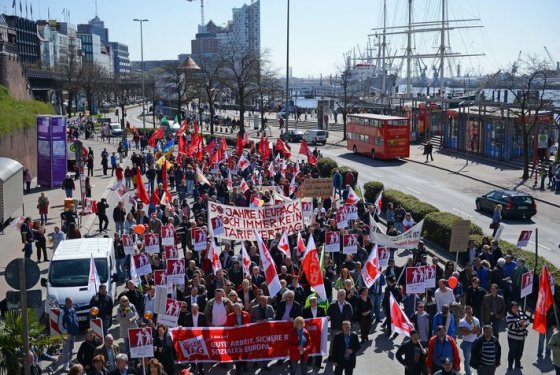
(70, 322)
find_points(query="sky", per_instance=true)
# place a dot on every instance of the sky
(322, 31)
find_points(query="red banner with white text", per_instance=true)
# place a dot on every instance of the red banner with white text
(251, 342)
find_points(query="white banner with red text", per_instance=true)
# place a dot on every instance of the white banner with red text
(405, 240)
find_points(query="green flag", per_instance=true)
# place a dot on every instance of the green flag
(164, 121)
(176, 119)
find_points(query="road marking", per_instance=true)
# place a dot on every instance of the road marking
(461, 212)
(414, 191)
(544, 247)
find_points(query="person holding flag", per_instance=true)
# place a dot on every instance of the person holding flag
(544, 314)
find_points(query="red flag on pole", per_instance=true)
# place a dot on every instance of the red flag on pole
(157, 134)
(352, 197)
(284, 245)
(544, 301)
(268, 266)
(300, 244)
(399, 321)
(370, 270)
(164, 174)
(312, 269)
(304, 148)
(379, 202)
(141, 189)
(283, 148)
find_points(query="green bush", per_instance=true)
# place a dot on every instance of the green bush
(410, 203)
(371, 190)
(343, 170)
(437, 228)
(326, 167)
(19, 114)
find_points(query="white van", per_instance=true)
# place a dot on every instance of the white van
(316, 136)
(69, 272)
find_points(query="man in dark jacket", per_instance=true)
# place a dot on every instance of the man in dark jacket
(102, 214)
(486, 352)
(391, 288)
(288, 309)
(105, 304)
(412, 355)
(119, 216)
(345, 346)
(338, 312)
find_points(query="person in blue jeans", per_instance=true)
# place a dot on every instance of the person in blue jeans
(470, 329)
(337, 183)
(376, 295)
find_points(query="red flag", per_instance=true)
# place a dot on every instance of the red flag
(271, 276)
(292, 188)
(182, 147)
(243, 163)
(195, 131)
(157, 135)
(370, 271)
(155, 199)
(544, 301)
(240, 144)
(312, 268)
(312, 159)
(304, 148)
(214, 256)
(200, 178)
(215, 157)
(399, 321)
(284, 245)
(223, 145)
(264, 149)
(141, 189)
(283, 148)
(379, 202)
(164, 174)
(252, 147)
(193, 145)
(229, 180)
(300, 244)
(246, 261)
(244, 186)
(352, 197)
(210, 146)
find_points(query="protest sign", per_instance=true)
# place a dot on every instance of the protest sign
(332, 242)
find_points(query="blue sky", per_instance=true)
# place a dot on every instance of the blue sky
(323, 30)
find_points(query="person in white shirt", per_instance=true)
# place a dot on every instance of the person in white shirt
(217, 309)
(443, 295)
(470, 329)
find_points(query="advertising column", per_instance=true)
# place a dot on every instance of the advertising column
(51, 150)
(44, 170)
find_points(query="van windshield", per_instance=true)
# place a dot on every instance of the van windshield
(75, 272)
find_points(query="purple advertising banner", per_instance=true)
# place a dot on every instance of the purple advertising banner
(58, 154)
(51, 150)
(44, 170)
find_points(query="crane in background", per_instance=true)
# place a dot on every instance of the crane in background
(515, 65)
(554, 63)
(201, 10)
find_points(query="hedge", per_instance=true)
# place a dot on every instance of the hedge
(437, 227)
(410, 203)
(326, 167)
(371, 190)
(20, 114)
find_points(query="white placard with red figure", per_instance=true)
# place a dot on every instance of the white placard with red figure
(349, 243)
(121, 190)
(526, 284)
(160, 278)
(171, 314)
(168, 235)
(176, 271)
(418, 279)
(199, 239)
(524, 238)
(306, 208)
(341, 219)
(351, 211)
(217, 226)
(151, 243)
(332, 242)
(128, 244)
(141, 342)
(171, 252)
(383, 255)
(96, 326)
(142, 264)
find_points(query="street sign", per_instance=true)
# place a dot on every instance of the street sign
(460, 236)
(32, 274)
(34, 299)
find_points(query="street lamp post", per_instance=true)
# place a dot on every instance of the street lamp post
(141, 21)
(287, 106)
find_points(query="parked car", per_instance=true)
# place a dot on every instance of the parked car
(292, 136)
(115, 129)
(514, 203)
(315, 136)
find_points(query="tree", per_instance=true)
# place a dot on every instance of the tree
(528, 83)
(179, 82)
(11, 339)
(91, 79)
(208, 83)
(69, 69)
(267, 87)
(350, 89)
(240, 69)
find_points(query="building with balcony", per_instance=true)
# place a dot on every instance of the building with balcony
(27, 40)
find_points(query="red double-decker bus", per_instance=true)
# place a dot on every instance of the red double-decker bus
(378, 136)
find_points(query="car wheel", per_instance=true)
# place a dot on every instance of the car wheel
(373, 154)
(478, 206)
(355, 149)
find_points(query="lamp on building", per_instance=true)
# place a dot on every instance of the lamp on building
(141, 21)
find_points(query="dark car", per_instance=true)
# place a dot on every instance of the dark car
(292, 136)
(514, 203)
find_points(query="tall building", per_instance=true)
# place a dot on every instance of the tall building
(121, 60)
(243, 33)
(97, 27)
(27, 40)
(94, 51)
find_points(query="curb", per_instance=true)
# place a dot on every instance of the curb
(476, 179)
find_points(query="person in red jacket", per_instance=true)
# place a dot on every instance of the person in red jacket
(238, 317)
(299, 344)
(440, 347)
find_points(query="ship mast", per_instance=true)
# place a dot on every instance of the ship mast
(409, 51)
(442, 50)
(383, 46)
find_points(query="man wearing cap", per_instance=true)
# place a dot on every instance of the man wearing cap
(447, 368)
(440, 348)
(412, 355)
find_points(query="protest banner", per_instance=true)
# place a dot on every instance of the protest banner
(217, 226)
(349, 243)
(198, 236)
(151, 243)
(351, 212)
(175, 271)
(526, 284)
(316, 188)
(142, 264)
(170, 316)
(524, 238)
(128, 244)
(418, 279)
(383, 255)
(160, 277)
(332, 242)
(140, 341)
(168, 235)
(171, 252)
(306, 208)
(241, 222)
(406, 240)
(460, 231)
(264, 341)
(341, 219)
